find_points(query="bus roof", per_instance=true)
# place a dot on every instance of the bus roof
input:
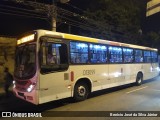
(92, 40)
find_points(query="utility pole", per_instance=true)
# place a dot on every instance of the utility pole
(53, 12)
(49, 9)
(69, 29)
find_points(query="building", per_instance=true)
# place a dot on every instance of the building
(7, 54)
(153, 7)
(153, 16)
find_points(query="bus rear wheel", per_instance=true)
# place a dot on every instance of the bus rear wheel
(81, 91)
(139, 79)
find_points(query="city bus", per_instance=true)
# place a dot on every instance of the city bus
(52, 65)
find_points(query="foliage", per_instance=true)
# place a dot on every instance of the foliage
(153, 39)
(122, 16)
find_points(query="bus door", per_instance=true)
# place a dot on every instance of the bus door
(54, 72)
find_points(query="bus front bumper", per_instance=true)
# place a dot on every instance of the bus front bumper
(27, 96)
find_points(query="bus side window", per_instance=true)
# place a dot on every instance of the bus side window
(154, 56)
(98, 53)
(78, 52)
(115, 54)
(147, 56)
(138, 56)
(128, 55)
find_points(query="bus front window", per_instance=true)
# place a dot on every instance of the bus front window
(25, 66)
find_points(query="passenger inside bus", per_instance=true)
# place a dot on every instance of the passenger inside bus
(51, 59)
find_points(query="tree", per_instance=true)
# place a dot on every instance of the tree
(123, 16)
(153, 39)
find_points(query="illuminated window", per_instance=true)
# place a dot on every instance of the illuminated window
(98, 53)
(79, 52)
(53, 54)
(128, 55)
(147, 56)
(154, 56)
(115, 54)
(138, 56)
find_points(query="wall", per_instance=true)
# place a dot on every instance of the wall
(7, 51)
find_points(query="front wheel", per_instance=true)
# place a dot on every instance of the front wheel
(139, 79)
(81, 91)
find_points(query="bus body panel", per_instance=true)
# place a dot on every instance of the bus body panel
(151, 70)
(54, 86)
(20, 89)
(96, 74)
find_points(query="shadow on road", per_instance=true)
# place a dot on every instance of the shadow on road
(14, 104)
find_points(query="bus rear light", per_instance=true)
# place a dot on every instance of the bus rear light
(72, 76)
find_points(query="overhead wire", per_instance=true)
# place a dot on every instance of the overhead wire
(60, 10)
(111, 25)
(17, 8)
(15, 14)
(20, 13)
(63, 15)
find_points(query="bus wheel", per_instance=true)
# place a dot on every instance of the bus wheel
(139, 79)
(81, 91)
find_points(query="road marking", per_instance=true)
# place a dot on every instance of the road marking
(155, 90)
(136, 89)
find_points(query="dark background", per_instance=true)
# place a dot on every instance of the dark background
(14, 24)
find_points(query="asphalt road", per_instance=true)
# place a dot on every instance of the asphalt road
(129, 98)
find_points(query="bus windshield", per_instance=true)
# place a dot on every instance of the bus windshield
(25, 59)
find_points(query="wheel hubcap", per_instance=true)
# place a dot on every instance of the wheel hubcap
(139, 80)
(81, 91)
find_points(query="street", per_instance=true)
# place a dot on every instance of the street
(125, 98)
(60, 48)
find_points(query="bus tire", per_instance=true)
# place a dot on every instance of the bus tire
(81, 91)
(139, 79)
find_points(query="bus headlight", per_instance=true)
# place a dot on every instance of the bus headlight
(14, 83)
(29, 89)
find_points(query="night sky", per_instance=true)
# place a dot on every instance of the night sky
(152, 23)
(12, 25)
